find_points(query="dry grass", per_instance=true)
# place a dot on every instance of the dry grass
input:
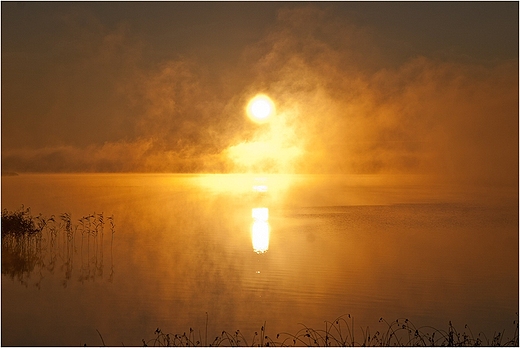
(340, 332)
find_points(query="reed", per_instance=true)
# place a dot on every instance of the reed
(35, 243)
(23, 249)
(20, 222)
(340, 333)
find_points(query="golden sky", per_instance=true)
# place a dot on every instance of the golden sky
(367, 87)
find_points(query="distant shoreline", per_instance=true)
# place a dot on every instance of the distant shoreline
(8, 173)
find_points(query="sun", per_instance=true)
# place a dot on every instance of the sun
(260, 108)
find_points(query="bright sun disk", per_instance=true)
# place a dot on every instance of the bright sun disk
(260, 108)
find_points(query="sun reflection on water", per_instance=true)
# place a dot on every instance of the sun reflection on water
(260, 228)
(260, 236)
(260, 188)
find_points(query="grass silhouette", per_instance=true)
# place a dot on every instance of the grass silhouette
(20, 222)
(23, 250)
(31, 244)
(340, 333)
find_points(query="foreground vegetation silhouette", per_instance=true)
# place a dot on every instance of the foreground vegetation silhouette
(30, 243)
(340, 333)
(35, 245)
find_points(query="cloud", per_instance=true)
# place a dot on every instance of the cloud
(137, 156)
(453, 120)
(342, 108)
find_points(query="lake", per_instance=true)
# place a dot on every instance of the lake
(237, 252)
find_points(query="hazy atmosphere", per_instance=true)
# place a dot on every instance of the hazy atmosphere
(419, 88)
(260, 173)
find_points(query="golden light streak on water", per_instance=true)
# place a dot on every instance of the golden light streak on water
(260, 229)
(260, 188)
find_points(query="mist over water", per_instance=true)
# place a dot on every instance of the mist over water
(345, 104)
(383, 184)
(185, 245)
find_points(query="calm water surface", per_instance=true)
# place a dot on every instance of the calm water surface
(251, 249)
